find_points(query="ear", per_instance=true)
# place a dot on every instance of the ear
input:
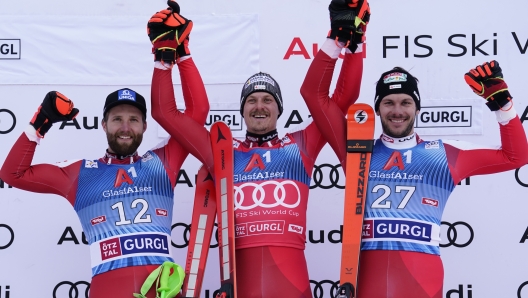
(103, 124)
(144, 126)
(417, 112)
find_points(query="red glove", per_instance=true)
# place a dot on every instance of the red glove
(168, 30)
(487, 82)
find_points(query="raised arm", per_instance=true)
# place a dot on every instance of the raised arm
(185, 128)
(17, 170)
(328, 112)
(467, 160)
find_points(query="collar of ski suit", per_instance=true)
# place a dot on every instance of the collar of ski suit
(258, 140)
(111, 158)
(400, 143)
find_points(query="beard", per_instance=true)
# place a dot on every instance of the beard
(406, 132)
(124, 149)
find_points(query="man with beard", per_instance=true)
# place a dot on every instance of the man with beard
(410, 179)
(124, 201)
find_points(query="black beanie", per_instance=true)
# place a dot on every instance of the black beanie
(396, 80)
(261, 82)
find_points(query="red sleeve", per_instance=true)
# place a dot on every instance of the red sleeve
(187, 128)
(18, 172)
(196, 107)
(465, 162)
(329, 113)
(310, 142)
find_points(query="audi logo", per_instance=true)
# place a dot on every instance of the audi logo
(333, 177)
(186, 233)
(521, 288)
(7, 122)
(11, 237)
(258, 194)
(73, 290)
(452, 234)
(319, 290)
(518, 176)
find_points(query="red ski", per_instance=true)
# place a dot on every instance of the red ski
(222, 144)
(360, 141)
(203, 219)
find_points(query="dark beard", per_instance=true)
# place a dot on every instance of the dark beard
(405, 133)
(121, 149)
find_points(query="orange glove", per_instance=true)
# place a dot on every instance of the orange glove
(54, 108)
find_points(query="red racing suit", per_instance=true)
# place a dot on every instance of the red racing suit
(405, 262)
(272, 179)
(125, 276)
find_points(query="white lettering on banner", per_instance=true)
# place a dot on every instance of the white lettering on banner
(126, 190)
(401, 230)
(258, 176)
(259, 228)
(138, 244)
(395, 175)
(259, 192)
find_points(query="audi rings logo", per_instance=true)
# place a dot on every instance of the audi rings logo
(7, 121)
(11, 237)
(324, 286)
(521, 176)
(74, 290)
(185, 230)
(281, 190)
(327, 176)
(459, 234)
(520, 290)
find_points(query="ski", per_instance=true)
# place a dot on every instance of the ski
(222, 144)
(360, 142)
(201, 231)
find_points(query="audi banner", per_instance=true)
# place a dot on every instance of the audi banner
(86, 51)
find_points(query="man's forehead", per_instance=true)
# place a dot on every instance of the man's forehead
(397, 97)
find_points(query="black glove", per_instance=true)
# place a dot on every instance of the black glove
(167, 30)
(487, 82)
(348, 21)
(54, 108)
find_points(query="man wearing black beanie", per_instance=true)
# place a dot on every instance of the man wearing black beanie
(411, 179)
(272, 175)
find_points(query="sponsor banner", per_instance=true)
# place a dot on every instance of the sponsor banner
(228, 113)
(409, 230)
(115, 50)
(450, 117)
(133, 245)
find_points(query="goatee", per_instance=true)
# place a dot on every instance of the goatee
(124, 149)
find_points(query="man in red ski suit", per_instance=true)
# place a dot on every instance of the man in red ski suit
(272, 177)
(396, 260)
(124, 200)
